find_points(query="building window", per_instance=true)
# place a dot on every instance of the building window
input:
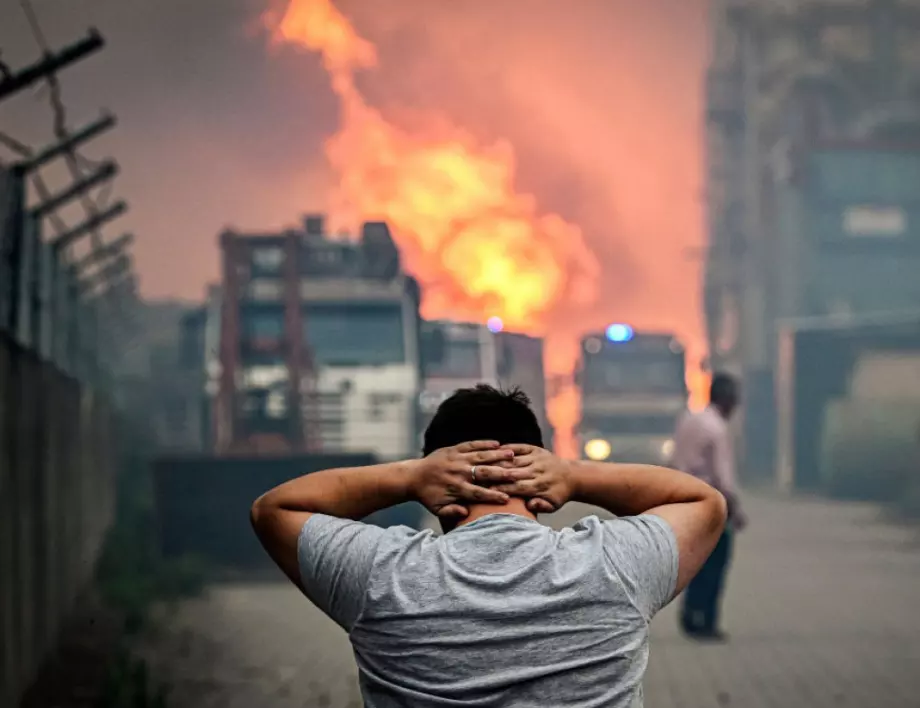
(268, 258)
(874, 221)
(265, 290)
(263, 324)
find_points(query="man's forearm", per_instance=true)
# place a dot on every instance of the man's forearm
(349, 493)
(629, 490)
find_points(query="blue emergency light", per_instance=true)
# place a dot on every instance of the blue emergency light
(619, 333)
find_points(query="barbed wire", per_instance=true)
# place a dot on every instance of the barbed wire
(15, 145)
(6, 73)
(41, 187)
(76, 162)
(77, 165)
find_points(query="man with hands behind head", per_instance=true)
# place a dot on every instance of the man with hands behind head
(500, 610)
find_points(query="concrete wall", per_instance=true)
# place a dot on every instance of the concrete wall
(57, 492)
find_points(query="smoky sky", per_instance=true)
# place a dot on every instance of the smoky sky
(602, 100)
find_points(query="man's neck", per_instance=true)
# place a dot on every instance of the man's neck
(515, 506)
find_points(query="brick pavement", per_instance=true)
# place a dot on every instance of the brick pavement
(821, 608)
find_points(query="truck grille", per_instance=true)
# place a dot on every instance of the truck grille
(382, 422)
(326, 413)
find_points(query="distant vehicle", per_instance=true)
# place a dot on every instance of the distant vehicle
(307, 356)
(315, 356)
(463, 354)
(633, 390)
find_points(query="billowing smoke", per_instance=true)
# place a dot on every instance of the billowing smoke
(478, 241)
(480, 247)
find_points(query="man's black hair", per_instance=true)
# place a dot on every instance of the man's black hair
(724, 389)
(483, 413)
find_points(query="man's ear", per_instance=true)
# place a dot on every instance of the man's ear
(540, 506)
(450, 516)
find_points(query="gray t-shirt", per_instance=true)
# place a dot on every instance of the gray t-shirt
(502, 611)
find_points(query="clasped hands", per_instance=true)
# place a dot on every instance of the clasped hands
(445, 483)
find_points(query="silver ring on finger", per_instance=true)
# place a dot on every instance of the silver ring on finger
(473, 473)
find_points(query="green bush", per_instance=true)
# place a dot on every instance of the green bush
(128, 685)
(132, 573)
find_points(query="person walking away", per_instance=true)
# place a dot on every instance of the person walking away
(501, 611)
(703, 448)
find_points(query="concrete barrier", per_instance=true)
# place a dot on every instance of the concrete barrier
(57, 493)
(202, 503)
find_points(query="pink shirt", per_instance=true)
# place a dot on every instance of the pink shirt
(703, 448)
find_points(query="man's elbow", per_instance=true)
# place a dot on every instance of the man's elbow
(718, 506)
(259, 513)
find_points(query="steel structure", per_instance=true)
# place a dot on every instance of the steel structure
(786, 78)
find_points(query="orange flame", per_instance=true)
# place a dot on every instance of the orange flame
(479, 247)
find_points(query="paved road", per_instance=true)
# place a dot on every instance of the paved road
(821, 607)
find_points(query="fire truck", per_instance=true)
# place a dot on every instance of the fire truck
(633, 390)
(463, 354)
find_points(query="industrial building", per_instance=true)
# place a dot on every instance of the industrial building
(813, 141)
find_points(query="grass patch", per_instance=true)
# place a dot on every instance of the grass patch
(128, 685)
(132, 573)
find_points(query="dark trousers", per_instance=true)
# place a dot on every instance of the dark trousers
(700, 612)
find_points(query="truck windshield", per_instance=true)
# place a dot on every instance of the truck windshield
(462, 359)
(634, 374)
(355, 335)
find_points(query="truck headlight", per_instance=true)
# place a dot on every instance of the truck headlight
(597, 450)
(667, 449)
